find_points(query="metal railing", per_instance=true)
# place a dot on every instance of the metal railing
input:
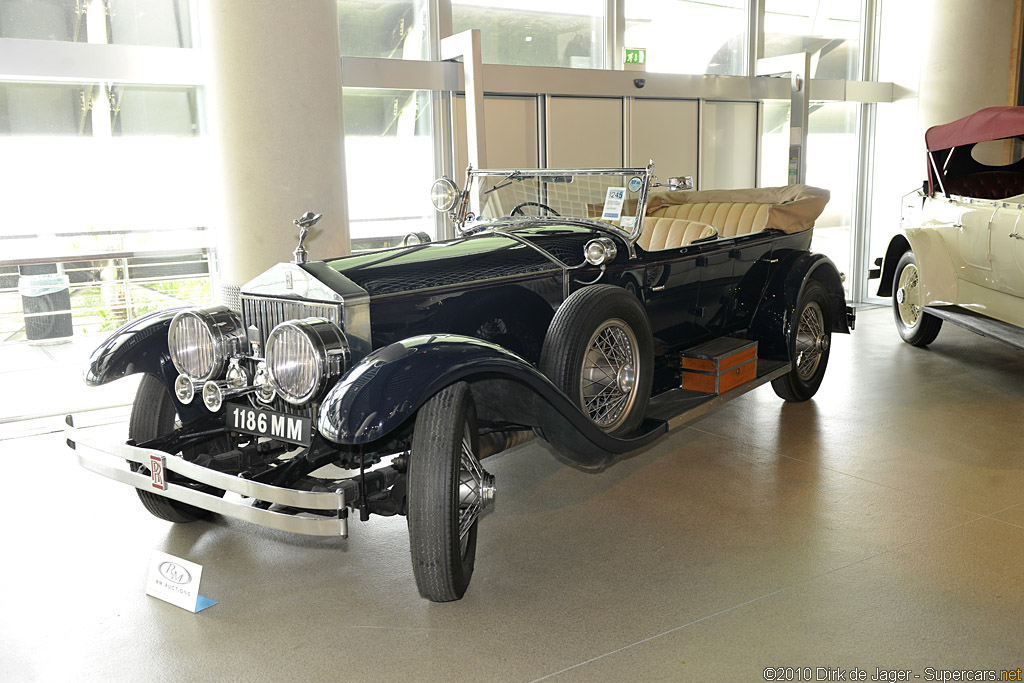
(78, 294)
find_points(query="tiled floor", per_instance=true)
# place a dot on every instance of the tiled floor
(880, 525)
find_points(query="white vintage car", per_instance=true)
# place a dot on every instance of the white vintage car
(960, 255)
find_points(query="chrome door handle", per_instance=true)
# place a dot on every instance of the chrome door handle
(1016, 236)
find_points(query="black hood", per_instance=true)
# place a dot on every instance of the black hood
(508, 248)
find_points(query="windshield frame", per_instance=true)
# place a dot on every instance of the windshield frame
(646, 174)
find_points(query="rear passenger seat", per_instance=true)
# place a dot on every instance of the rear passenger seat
(677, 219)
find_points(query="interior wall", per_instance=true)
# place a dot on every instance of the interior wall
(584, 132)
(664, 131)
(728, 145)
(512, 133)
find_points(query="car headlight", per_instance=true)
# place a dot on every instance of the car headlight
(599, 250)
(200, 341)
(302, 355)
(444, 194)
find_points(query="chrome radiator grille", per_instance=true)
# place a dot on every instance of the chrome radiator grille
(265, 313)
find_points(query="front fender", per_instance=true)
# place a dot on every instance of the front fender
(777, 309)
(387, 388)
(138, 346)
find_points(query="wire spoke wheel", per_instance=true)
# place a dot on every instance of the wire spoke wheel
(810, 339)
(476, 491)
(448, 491)
(908, 296)
(916, 326)
(608, 376)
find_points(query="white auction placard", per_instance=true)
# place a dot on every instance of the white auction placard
(176, 581)
(613, 201)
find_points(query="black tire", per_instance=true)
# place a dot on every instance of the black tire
(591, 317)
(916, 327)
(153, 415)
(443, 461)
(810, 340)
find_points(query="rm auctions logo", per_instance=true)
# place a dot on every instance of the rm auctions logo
(175, 573)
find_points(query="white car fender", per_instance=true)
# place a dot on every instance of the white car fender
(938, 280)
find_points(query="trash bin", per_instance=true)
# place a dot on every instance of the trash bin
(46, 302)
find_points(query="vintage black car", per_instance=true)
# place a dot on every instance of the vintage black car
(377, 383)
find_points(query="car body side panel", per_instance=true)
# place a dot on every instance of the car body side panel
(998, 305)
(971, 242)
(939, 282)
(1008, 250)
(773, 318)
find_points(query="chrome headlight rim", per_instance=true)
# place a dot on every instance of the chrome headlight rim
(224, 334)
(444, 194)
(600, 250)
(328, 351)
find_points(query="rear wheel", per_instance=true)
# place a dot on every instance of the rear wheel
(153, 415)
(810, 340)
(448, 490)
(916, 327)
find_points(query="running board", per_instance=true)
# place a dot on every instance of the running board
(680, 406)
(1008, 334)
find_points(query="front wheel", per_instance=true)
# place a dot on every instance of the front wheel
(916, 327)
(810, 339)
(599, 351)
(153, 415)
(448, 490)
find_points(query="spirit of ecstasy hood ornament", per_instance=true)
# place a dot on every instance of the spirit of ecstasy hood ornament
(304, 223)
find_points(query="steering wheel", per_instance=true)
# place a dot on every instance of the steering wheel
(520, 205)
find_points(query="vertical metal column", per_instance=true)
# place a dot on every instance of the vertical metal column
(860, 246)
(467, 46)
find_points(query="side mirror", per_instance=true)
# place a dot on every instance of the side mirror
(684, 182)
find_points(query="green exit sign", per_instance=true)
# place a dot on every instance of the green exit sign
(636, 55)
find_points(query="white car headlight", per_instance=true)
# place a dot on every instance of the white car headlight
(200, 341)
(302, 355)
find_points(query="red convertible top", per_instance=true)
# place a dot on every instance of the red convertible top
(951, 167)
(993, 123)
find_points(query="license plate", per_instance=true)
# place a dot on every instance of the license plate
(258, 422)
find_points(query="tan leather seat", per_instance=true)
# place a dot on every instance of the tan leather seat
(731, 218)
(672, 233)
(791, 209)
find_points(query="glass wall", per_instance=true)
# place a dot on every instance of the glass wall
(831, 164)
(689, 36)
(379, 28)
(832, 26)
(567, 33)
(106, 186)
(388, 132)
(162, 23)
(63, 20)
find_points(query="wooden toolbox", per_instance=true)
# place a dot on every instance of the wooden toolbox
(719, 365)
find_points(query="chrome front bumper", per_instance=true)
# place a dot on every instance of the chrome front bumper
(108, 458)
